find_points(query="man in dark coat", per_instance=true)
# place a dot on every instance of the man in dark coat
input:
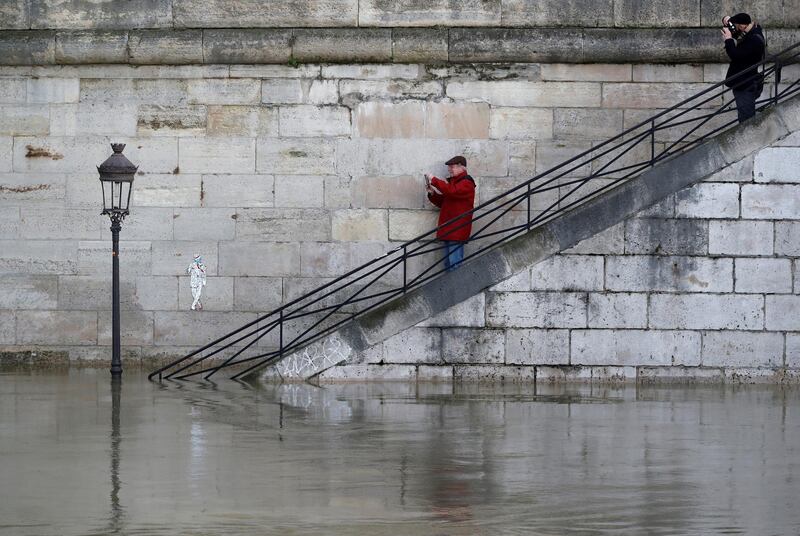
(744, 53)
(454, 196)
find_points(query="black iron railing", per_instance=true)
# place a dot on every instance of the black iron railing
(505, 216)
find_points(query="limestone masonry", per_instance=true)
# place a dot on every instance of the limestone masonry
(287, 146)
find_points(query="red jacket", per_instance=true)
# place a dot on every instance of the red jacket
(457, 197)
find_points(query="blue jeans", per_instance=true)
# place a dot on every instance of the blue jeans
(453, 254)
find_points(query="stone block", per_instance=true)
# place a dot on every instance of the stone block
(783, 313)
(335, 259)
(136, 329)
(568, 273)
(435, 13)
(8, 327)
(635, 347)
(204, 224)
(521, 123)
(87, 14)
(562, 374)
(359, 225)
(668, 274)
(520, 282)
(52, 223)
(770, 201)
(238, 190)
(342, 45)
(224, 91)
(653, 95)
(91, 47)
(282, 91)
(314, 121)
(295, 157)
(741, 171)
(217, 294)
(321, 92)
(247, 46)
(258, 294)
(550, 154)
(670, 73)
(165, 92)
(27, 47)
(537, 347)
(283, 224)
(360, 373)
(527, 93)
(32, 188)
(57, 327)
(372, 71)
(576, 13)
(93, 293)
(536, 310)
(769, 13)
(792, 350)
(787, 238)
(407, 225)
(168, 190)
(415, 345)
(93, 119)
(252, 14)
(681, 375)
(613, 374)
(15, 15)
(461, 345)
(242, 121)
(52, 90)
(177, 121)
(156, 293)
(170, 47)
(298, 191)
(146, 223)
(777, 164)
(94, 258)
(708, 200)
(742, 349)
(395, 191)
(762, 130)
(9, 223)
(714, 311)
(249, 259)
(192, 328)
(629, 13)
(571, 72)
(586, 123)
(172, 258)
(13, 91)
(656, 45)
(459, 120)
(433, 373)
(469, 313)
(354, 91)
(608, 242)
(741, 237)
(375, 119)
(25, 291)
(24, 120)
(494, 373)
(419, 45)
(6, 154)
(274, 71)
(617, 310)
(763, 276)
(645, 236)
(216, 155)
(524, 45)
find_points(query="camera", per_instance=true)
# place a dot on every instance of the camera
(735, 33)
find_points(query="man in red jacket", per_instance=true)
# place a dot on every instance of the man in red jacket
(454, 196)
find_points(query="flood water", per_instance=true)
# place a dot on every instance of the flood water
(79, 456)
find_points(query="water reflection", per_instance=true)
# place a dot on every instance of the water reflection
(429, 459)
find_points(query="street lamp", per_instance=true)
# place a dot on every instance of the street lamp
(116, 178)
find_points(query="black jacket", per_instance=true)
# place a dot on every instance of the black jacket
(744, 54)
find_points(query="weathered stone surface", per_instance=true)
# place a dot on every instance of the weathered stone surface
(515, 45)
(586, 123)
(145, 223)
(9, 223)
(252, 14)
(683, 375)
(187, 328)
(550, 154)
(314, 121)
(742, 349)
(568, 272)
(684, 13)
(355, 91)
(608, 72)
(280, 224)
(53, 224)
(237, 190)
(217, 294)
(92, 293)
(416, 45)
(540, 310)
(282, 91)
(537, 347)
(787, 238)
(770, 201)
(520, 282)
(53, 90)
(416, 345)
(247, 46)
(359, 225)
(342, 45)
(136, 329)
(204, 224)
(524, 93)
(469, 313)
(335, 259)
(84, 47)
(156, 293)
(383, 373)
(57, 327)
(708, 200)
(610, 241)
(768, 276)
(461, 345)
(298, 191)
(94, 258)
(792, 350)
(457, 120)
(652, 95)
(247, 259)
(579, 13)
(741, 237)
(15, 15)
(715, 311)
(95, 118)
(19, 188)
(430, 13)
(259, 294)
(13, 90)
(666, 237)
(168, 190)
(28, 292)
(375, 119)
(635, 347)
(105, 15)
(662, 45)
(295, 157)
(149, 92)
(7, 327)
(777, 164)
(521, 123)
(224, 91)
(494, 373)
(172, 258)
(165, 47)
(434, 373)
(668, 274)
(668, 73)
(409, 224)
(242, 121)
(765, 12)
(617, 310)
(27, 47)
(783, 313)
(217, 155)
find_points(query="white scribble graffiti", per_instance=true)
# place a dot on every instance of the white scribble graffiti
(314, 358)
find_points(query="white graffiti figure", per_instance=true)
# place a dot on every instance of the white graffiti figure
(197, 280)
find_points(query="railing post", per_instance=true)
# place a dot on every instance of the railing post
(778, 68)
(652, 143)
(280, 335)
(529, 206)
(405, 269)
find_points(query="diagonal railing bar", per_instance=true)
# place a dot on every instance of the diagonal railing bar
(496, 221)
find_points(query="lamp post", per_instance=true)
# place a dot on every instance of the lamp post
(116, 179)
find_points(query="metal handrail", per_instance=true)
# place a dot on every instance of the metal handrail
(356, 282)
